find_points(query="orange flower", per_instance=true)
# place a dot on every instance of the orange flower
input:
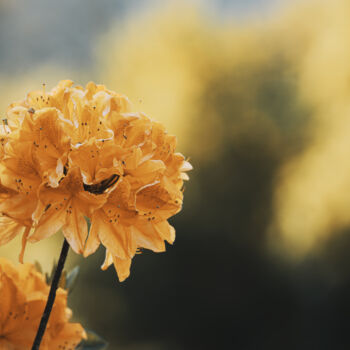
(23, 293)
(75, 155)
(64, 208)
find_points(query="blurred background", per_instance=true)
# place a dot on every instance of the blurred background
(258, 93)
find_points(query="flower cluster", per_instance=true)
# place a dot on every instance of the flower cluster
(75, 157)
(23, 293)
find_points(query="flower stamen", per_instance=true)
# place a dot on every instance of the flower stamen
(103, 185)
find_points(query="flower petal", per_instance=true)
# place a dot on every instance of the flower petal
(75, 230)
(9, 229)
(122, 267)
(113, 236)
(147, 236)
(165, 230)
(50, 222)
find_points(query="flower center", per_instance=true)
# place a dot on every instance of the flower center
(102, 186)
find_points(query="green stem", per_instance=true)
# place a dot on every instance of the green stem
(51, 297)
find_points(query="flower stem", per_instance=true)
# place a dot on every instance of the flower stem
(51, 297)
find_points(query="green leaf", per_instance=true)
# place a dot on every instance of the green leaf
(71, 278)
(93, 342)
(49, 276)
(38, 267)
(88, 222)
(63, 278)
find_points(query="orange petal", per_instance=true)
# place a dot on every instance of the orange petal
(165, 230)
(122, 267)
(108, 260)
(112, 235)
(50, 222)
(24, 243)
(186, 166)
(19, 207)
(146, 236)
(92, 242)
(8, 292)
(68, 337)
(9, 229)
(75, 230)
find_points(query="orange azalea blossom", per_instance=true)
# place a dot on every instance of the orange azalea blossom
(23, 293)
(74, 155)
